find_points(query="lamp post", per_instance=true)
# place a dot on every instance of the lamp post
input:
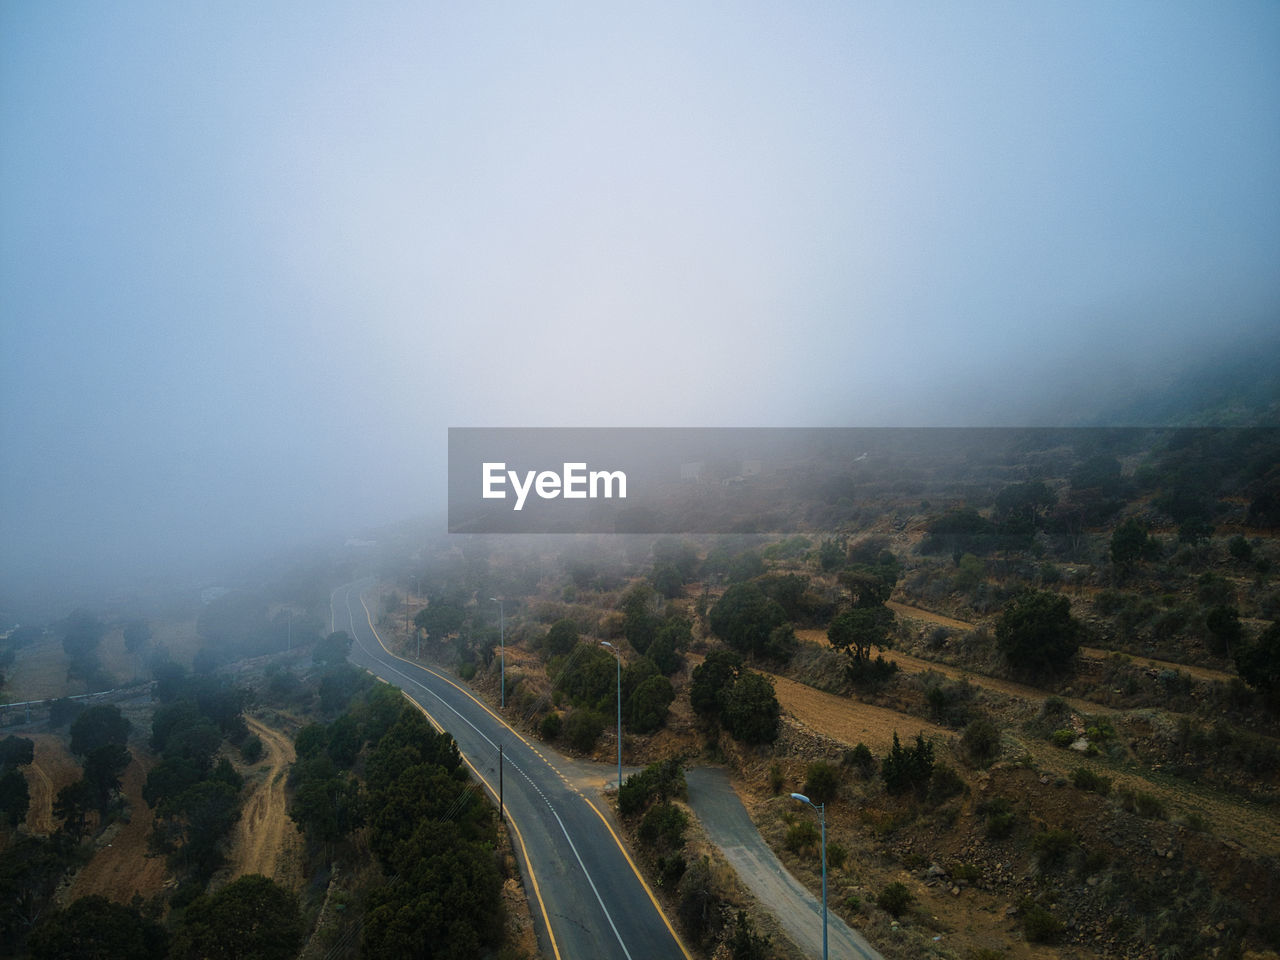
(822, 818)
(606, 643)
(502, 647)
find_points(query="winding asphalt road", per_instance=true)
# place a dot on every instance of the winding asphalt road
(588, 898)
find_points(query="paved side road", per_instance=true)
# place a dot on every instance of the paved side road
(730, 828)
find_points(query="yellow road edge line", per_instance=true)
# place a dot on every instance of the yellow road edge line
(524, 850)
(636, 870)
(616, 839)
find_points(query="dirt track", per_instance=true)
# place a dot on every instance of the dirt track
(265, 840)
(51, 770)
(850, 721)
(122, 868)
(1089, 653)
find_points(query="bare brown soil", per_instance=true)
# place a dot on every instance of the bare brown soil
(52, 769)
(265, 840)
(39, 672)
(122, 867)
(848, 720)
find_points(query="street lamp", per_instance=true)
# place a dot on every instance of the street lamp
(502, 647)
(822, 817)
(606, 643)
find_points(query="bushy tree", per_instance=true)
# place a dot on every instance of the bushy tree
(639, 616)
(15, 797)
(252, 916)
(97, 727)
(744, 618)
(560, 639)
(750, 709)
(94, 928)
(582, 728)
(1259, 664)
(646, 709)
(981, 742)
(908, 768)
(716, 673)
(822, 780)
(1037, 634)
(1130, 545)
(333, 649)
(855, 632)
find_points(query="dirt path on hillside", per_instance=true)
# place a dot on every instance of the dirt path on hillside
(850, 721)
(1089, 653)
(917, 665)
(52, 768)
(121, 867)
(265, 840)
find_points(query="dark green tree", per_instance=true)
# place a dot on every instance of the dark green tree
(445, 903)
(1024, 505)
(136, 635)
(72, 806)
(102, 769)
(1223, 623)
(15, 797)
(441, 617)
(94, 928)
(560, 639)
(716, 673)
(1037, 634)
(908, 768)
(1130, 545)
(97, 727)
(750, 709)
(744, 618)
(646, 709)
(855, 632)
(251, 917)
(333, 649)
(1259, 664)
(16, 752)
(640, 616)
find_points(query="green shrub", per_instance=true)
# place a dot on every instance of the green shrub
(981, 743)
(1038, 924)
(905, 768)
(802, 835)
(822, 779)
(776, 780)
(861, 759)
(1064, 737)
(836, 855)
(1086, 779)
(1052, 847)
(670, 870)
(663, 826)
(551, 726)
(944, 784)
(1000, 817)
(658, 781)
(251, 749)
(583, 728)
(1151, 807)
(895, 899)
(467, 671)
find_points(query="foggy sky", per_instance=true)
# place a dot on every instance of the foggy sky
(256, 258)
